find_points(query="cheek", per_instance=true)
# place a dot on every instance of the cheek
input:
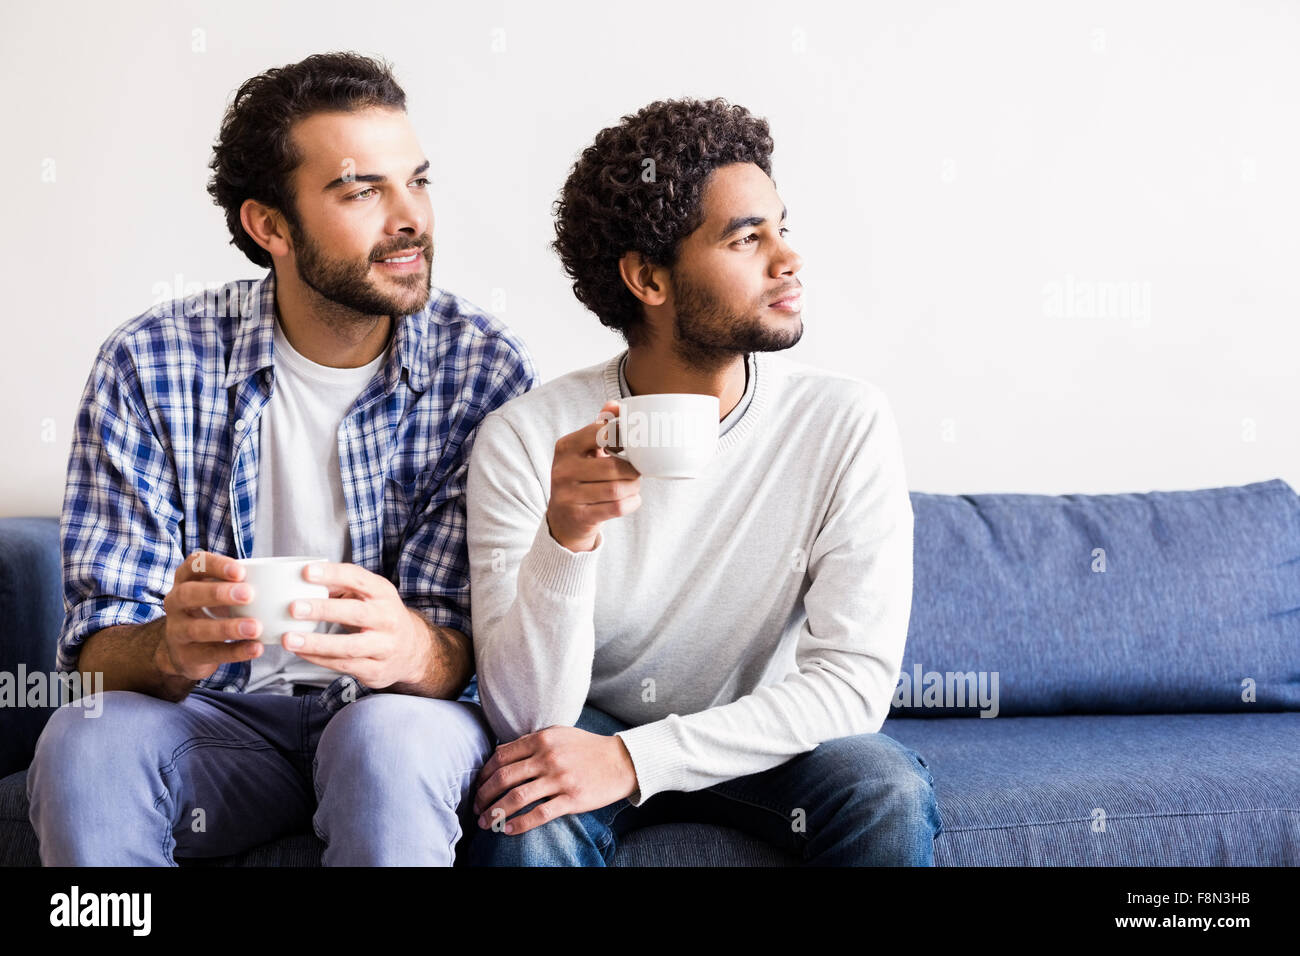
(348, 237)
(737, 279)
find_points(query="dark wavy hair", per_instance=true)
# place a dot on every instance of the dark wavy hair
(611, 204)
(254, 155)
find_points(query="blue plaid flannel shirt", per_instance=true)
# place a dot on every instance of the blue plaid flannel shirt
(165, 450)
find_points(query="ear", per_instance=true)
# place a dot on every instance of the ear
(266, 227)
(647, 282)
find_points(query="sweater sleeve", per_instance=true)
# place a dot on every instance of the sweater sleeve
(532, 599)
(849, 650)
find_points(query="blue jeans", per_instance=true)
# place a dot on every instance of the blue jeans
(855, 801)
(382, 782)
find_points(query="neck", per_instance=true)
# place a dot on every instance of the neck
(649, 372)
(325, 332)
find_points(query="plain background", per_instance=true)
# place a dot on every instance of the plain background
(1062, 237)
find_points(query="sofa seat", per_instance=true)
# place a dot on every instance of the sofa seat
(1173, 790)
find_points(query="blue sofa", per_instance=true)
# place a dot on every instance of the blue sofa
(1092, 680)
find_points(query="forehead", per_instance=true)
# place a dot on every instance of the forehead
(376, 140)
(737, 189)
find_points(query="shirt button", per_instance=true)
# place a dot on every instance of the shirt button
(239, 425)
(266, 377)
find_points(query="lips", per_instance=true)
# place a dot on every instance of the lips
(406, 256)
(790, 295)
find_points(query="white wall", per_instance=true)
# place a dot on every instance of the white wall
(961, 178)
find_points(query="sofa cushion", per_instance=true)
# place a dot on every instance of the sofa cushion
(1115, 790)
(1172, 790)
(1164, 602)
(684, 844)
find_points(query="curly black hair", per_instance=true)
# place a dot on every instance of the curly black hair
(254, 155)
(615, 201)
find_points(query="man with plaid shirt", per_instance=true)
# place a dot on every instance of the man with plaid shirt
(327, 409)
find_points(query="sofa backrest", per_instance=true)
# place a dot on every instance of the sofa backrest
(31, 614)
(1163, 602)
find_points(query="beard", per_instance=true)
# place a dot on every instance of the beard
(707, 334)
(350, 284)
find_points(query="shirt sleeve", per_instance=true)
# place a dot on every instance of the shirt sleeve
(534, 599)
(121, 514)
(433, 566)
(849, 650)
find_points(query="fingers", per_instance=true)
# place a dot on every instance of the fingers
(507, 753)
(344, 577)
(350, 611)
(504, 777)
(192, 595)
(369, 645)
(209, 564)
(604, 511)
(599, 492)
(520, 797)
(198, 660)
(585, 441)
(203, 630)
(553, 808)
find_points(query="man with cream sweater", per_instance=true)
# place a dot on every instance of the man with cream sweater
(717, 649)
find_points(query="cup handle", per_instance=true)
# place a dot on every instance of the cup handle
(613, 433)
(216, 617)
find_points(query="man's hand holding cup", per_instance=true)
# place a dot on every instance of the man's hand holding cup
(589, 485)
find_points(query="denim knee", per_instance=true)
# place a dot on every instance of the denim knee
(564, 841)
(384, 737)
(876, 770)
(75, 745)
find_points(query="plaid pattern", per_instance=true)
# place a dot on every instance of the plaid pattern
(165, 450)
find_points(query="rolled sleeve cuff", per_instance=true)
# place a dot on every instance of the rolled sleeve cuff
(656, 757)
(440, 615)
(559, 570)
(94, 615)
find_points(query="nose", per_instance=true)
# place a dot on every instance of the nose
(411, 214)
(786, 262)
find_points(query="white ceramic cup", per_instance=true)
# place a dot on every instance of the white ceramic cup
(276, 583)
(669, 435)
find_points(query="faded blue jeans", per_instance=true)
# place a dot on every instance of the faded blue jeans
(383, 781)
(855, 801)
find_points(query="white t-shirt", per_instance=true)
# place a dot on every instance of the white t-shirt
(300, 503)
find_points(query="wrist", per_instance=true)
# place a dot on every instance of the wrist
(174, 684)
(627, 769)
(423, 635)
(575, 545)
(162, 660)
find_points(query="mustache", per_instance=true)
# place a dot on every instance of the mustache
(782, 293)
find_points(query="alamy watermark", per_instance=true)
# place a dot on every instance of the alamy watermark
(949, 689)
(75, 908)
(1096, 299)
(22, 688)
(181, 299)
(654, 429)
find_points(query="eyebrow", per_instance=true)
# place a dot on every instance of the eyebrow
(742, 222)
(370, 178)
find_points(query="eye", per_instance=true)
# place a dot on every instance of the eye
(424, 180)
(356, 196)
(745, 241)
